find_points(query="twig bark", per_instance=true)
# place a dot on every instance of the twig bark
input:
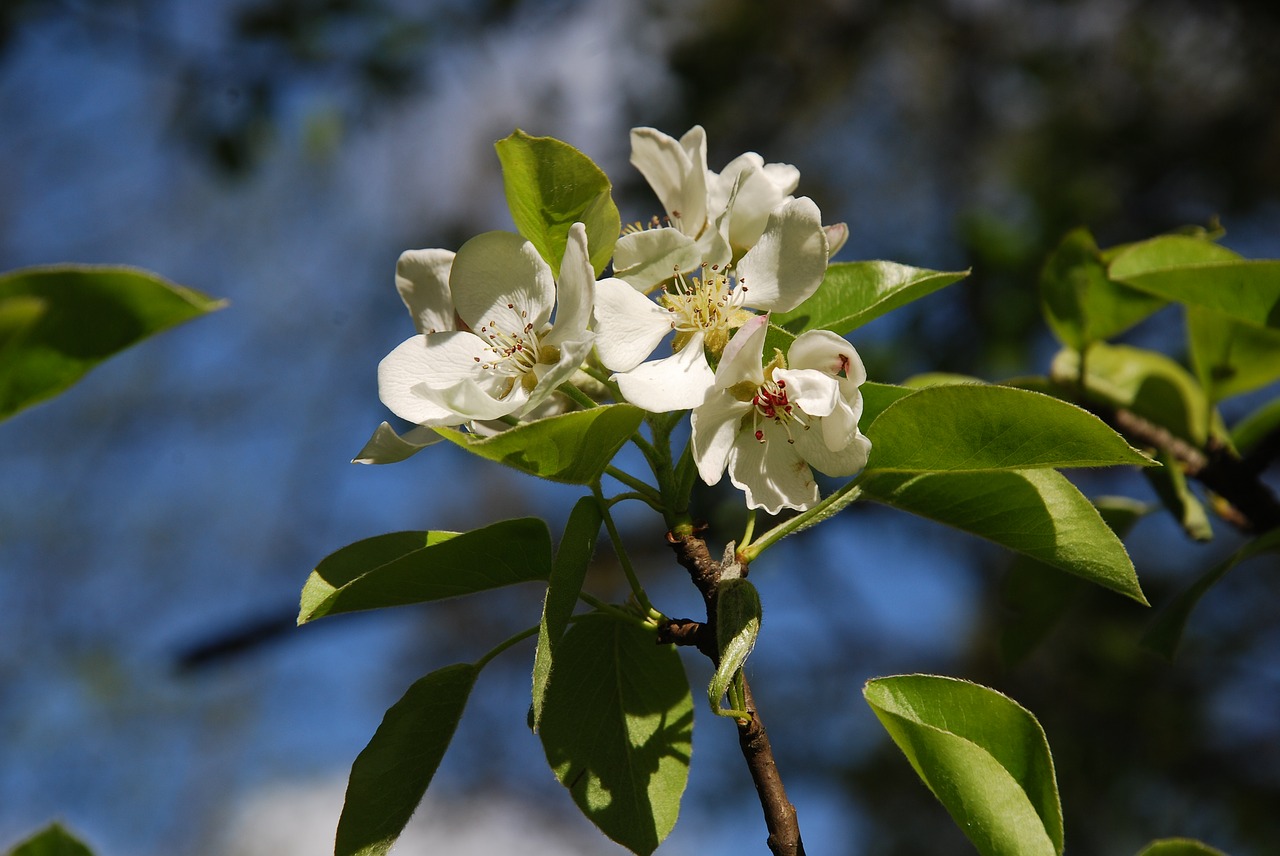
(779, 814)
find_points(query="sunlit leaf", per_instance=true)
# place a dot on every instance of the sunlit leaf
(567, 573)
(984, 756)
(393, 771)
(550, 185)
(53, 840)
(1175, 494)
(853, 293)
(617, 727)
(1231, 357)
(958, 428)
(1165, 632)
(1179, 847)
(388, 447)
(1035, 512)
(1145, 382)
(1080, 303)
(876, 397)
(57, 323)
(414, 567)
(738, 614)
(572, 447)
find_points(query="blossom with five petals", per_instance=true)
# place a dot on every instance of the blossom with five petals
(507, 354)
(770, 424)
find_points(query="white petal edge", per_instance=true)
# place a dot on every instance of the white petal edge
(628, 325)
(575, 290)
(422, 278)
(433, 360)
(499, 277)
(678, 382)
(789, 261)
(772, 473)
(715, 426)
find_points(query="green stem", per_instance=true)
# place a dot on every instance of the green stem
(620, 614)
(579, 397)
(749, 531)
(622, 497)
(826, 508)
(620, 549)
(638, 485)
(519, 637)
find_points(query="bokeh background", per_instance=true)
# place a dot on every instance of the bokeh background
(158, 520)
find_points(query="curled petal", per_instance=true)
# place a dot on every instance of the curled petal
(647, 258)
(575, 292)
(499, 280)
(678, 382)
(826, 352)
(628, 325)
(741, 360)
(388, 447)
(423, 362)
(845, 461)
(715, 427)
(572, 355)
(789, 261)
(814, 392)
(677, 172)
(422, 278)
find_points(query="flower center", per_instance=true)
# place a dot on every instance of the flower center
(515, 351)
(770, 403)
(707, 303)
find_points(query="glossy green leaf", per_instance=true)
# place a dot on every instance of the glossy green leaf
(876, 397)
(1145, 382)
(984, 756)
(617, 728)
(572, 447)
(1199, 273)
(738, 613)
(414, 567)
(1179, 847)
(1035, 512)
(853, 293)
(393, 771)
(53, 840)
(1034, 596)
(550, 185)
(969, 427)
(57, 323)
(1080, 303)
(1231, 357)
(577, 546)
(1165, 632)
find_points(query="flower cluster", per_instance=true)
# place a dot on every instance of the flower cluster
(498, 334)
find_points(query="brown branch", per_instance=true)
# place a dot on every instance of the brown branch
(779, 814)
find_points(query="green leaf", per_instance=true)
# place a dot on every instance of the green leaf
(1145, 382)
(1034, 595)
(572, 559)
(984, 756)
(1035, 512)
(971, 427)
(1256, 427)
(738, 615)
(1231, 357)
(1080, 303)
(1175, 494)
(1179, 847)
(57, 323)
(853, 293)
(53, 840)
(550, 185)
(414, 567)
(1200, 273)
(392, 773)
(877, 396)
(572, 447)
(1165, 632)
(617, 728)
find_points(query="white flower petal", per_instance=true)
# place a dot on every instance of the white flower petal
(422, 278)
(761, 189)
(679, 382)
(826, 352)
(715, 426)
(628, 325)
(742, 357)
(422, 362)
(837, 235)
(572, 356)
(789, 261)
(846, 461)
(500, 281)
(772, 473)
(677, 172)
(388, 447)
(647, 258)
(814, 392)
(575, 289)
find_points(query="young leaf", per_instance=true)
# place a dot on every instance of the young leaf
(1145, 382)
(617, 727)
(853, 293)
(1080, 303)
(984, 756)
(737, 626)
(572, 559)
(53, 840)
(413, 567)
(57, 323)
(1199, 273)
(392, 773)
(550, 185)
(1179, 847)
(968, 427)
(1256, 427)
(1165, 632)
(1230, 357)
(1035, 512)
(1170, 485)
(572, 447)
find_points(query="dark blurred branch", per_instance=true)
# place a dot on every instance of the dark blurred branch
(779, 814)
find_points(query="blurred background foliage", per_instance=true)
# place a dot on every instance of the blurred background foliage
(948, 133)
